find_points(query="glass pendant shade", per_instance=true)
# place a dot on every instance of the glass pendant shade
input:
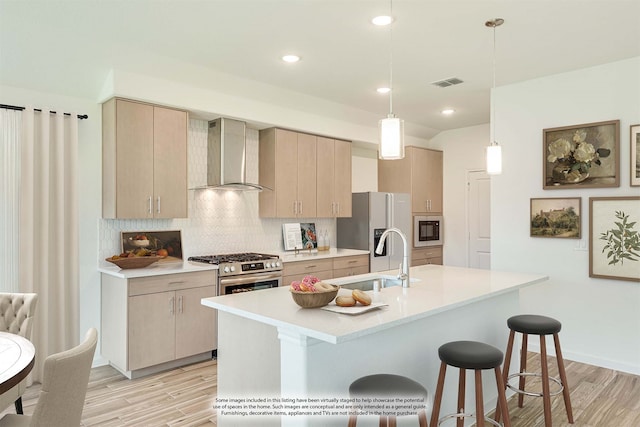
(494, 159)
(391, 138)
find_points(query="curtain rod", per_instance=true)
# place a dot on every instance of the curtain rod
(15, 107)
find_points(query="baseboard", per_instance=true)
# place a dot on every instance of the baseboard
(589, 359)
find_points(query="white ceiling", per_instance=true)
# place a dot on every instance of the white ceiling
(69, 46)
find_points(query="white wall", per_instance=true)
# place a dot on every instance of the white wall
(463, 152)
(600, 317)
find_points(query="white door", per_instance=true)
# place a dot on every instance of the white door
(479, 219)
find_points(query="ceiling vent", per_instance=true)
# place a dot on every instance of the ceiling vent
(447, 82)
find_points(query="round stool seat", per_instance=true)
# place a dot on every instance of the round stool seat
(387, 385)
(534, 324)
(470, 355)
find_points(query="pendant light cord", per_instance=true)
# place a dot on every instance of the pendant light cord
(391, 59)
(493, 106)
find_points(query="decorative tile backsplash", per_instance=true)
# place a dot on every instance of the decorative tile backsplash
(219, 221)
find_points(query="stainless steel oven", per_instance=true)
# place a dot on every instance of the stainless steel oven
(244, 272)
(427, 231)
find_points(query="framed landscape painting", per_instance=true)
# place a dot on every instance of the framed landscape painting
(556, 217)
(582, 156)
(635, 155)
(614, 238)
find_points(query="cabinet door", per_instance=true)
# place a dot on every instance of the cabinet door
(307, 175)
(196, 325)
(151, 329)
(169, 163)
(326, 178)
(434, 180)
(286, 172)
(134, 159)
(342, 179)
(419, 180)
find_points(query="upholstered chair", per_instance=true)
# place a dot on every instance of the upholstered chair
(16, 317)
(64, 387)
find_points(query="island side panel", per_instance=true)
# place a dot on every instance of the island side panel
(327, 370)
(248, 365)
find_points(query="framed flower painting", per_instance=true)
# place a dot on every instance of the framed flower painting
(584, 156)
(614, 238)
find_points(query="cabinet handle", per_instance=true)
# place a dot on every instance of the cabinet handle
(337, 208)
(295, 207)
(353, 261)
(180, 308)
(310, 266)
(150, 205)
(179, 282)
(158, 204)
(171, 305)
(300, 210)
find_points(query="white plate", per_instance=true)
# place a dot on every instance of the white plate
(356, 309)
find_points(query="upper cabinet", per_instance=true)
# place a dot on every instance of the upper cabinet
(310, 175)
(334, 178)
(419, 174)
(144, 161)
(288, 167)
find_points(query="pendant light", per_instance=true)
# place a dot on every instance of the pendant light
(391, 128)
(494, 151)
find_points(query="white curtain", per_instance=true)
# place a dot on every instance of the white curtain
(10, 131)
(48, 229)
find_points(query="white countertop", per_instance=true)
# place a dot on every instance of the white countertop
(157, 269)
(306, 255)
(436, 289)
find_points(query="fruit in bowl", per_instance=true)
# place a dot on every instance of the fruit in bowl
(310, 292)
(140, 240)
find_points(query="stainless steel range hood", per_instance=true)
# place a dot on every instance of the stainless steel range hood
(226, 156)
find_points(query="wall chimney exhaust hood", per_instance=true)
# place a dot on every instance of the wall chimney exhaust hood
(226, 156)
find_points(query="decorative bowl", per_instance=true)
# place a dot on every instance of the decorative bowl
(314, 299)
(134, 262)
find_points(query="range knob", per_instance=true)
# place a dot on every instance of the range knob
(226, 269)
(233, 268)
(277, 263)
(270, 265)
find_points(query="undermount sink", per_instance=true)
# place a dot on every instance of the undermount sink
(374, 283)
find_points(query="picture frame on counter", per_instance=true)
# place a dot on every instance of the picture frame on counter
(614, 238)
(556, 217)
(634, 142)
(582, 156)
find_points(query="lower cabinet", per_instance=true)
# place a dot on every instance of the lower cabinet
(423, 256)
(154, 323)
(325, 268)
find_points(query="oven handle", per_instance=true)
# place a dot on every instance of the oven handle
(249, 279)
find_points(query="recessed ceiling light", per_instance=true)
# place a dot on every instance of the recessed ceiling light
(448, 111)
(383, 90)
(291, 58)
(382, 20)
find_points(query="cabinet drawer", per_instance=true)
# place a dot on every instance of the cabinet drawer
(350, 262)
(171, 282)
(424, 253)
(307, 267)
(345, 272)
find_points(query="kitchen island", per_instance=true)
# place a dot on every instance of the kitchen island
(272, 354)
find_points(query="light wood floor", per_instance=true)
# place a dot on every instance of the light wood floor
(184, 397)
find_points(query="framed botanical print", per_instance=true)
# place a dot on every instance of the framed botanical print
(614, 238)
(555, 217)
(635, 155)
(582, 156)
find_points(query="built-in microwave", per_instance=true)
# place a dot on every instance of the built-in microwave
(427, 231)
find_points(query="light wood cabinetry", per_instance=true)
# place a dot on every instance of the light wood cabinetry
(419, 174)
(423, 256)
(151, 323)
(325, 268)
(310, 175)
(334, 178)
(144, 160)
(288, 166)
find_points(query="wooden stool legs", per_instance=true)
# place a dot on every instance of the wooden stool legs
(546, 393)
(480, 420)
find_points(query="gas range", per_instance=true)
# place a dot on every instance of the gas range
(241, 263)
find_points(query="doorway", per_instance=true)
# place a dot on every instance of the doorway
(479, 219)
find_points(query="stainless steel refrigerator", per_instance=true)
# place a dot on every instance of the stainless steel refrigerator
(372, 214)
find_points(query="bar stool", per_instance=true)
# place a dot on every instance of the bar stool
(387, 386)
(470, 355)
(531, 324)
